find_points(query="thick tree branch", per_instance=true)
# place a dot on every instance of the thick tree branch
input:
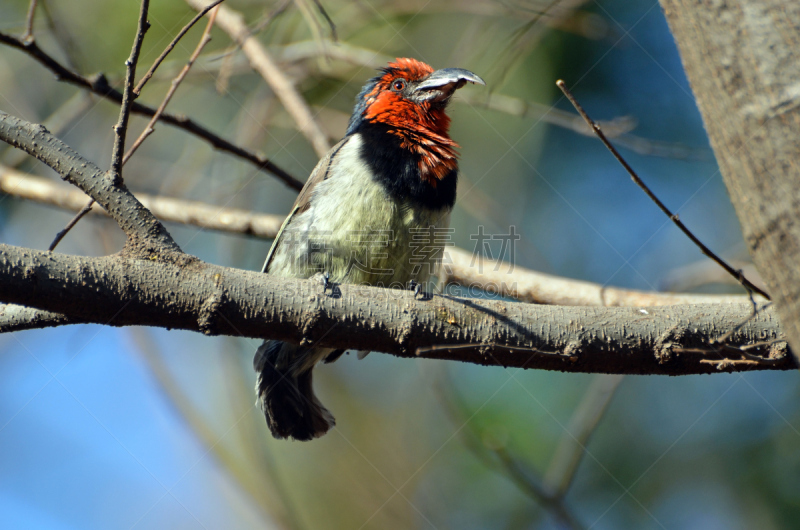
(99, 85)
(135, 220)
(193, 295)
(460, 267)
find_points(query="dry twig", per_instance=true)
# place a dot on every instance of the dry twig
(673, 217)
(128, 95)
(29, 20)
(146, 77)
(232, 23)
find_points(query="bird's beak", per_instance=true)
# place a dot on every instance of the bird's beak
(440, 85)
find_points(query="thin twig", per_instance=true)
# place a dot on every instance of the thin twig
(99, 85)
(761, 344)
(267, 20)
(148, 130)
(226, 65)
(78, 216)
(618, 128)
(334, 36)
(420, 352)
(232, 23)
(121, 128)
(674, 217)
(64, 40)
(28, 35)
(146, 77)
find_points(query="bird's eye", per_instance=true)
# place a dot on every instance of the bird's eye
(398, 85)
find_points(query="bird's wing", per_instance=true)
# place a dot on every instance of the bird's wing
(303, 201)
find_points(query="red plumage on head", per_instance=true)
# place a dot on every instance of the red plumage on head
(422, 126)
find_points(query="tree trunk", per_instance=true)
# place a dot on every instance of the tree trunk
(743, 62)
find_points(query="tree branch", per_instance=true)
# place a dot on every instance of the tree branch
(192, 295)
(509, 280)
(572, 446)
(150, 127)
(194, 213)
(146, 77)
(121, 128)
(747, 284)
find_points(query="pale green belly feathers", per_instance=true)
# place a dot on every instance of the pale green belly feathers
(357, 234)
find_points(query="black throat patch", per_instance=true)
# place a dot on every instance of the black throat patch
(397, 169)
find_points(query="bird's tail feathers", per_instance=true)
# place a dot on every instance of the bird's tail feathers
(285, 393)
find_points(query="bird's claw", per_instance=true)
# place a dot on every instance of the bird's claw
(324, 279)
(415, 286)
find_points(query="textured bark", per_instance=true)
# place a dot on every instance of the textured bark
(17, 318)
(743, 61)
(193, 295)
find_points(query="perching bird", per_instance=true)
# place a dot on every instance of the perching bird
(362, 216)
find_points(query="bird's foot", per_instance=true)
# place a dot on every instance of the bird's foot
(323, 278)
(415, 286)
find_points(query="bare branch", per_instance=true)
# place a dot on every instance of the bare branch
(146, 77)
(462, 268)
(121, 128)
(134, 219)
(618, 128)
(186, 293)
(673, 217)
(328, 19)
(29, 20)
(148, 130)
(72, 222)
(262, 62)
(99, 85)
(203, 215)
(497, 458)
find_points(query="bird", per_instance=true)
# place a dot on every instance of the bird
(363, 213)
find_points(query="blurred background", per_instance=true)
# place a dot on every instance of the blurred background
(148, 428)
